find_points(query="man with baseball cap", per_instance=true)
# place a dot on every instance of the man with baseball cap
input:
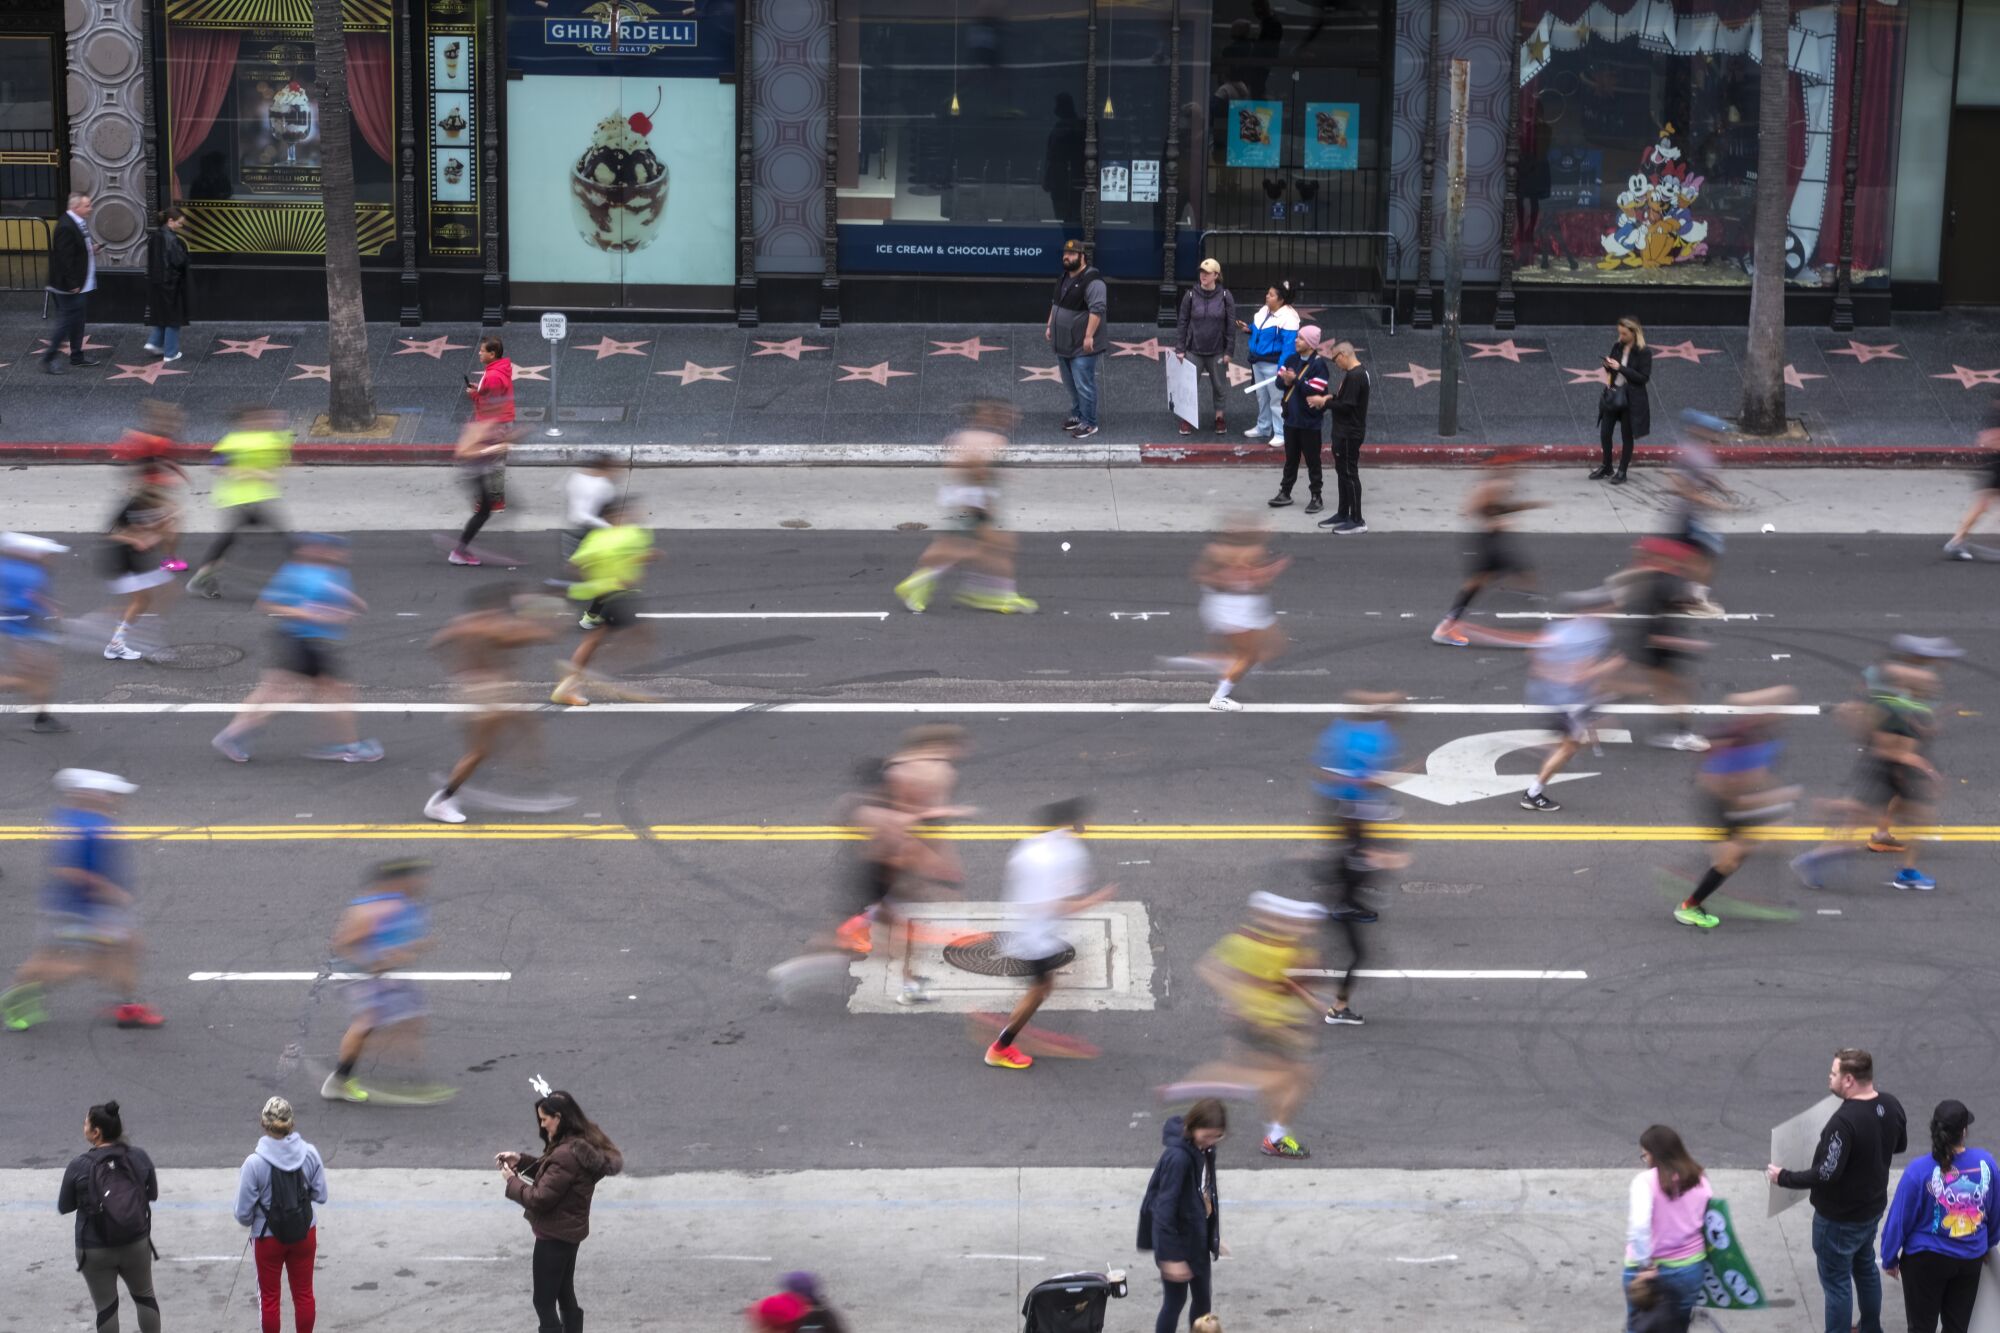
(26, 610)
(1302, 383)
(90, 930)
(1076, 314)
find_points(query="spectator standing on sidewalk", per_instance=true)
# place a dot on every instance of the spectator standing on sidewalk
(112, 1189)
(555, 1190)
(1623, 403)
(1272, 331)
(1180, 1219)
(1849, 1180)
(280, 1182)
(1666, 1238)
(483, 444)
(72, 278)
(166, 285)
(1348, 406)
(1207, 332)
(1940, 1225)
(1302, 380)
(1076, 316)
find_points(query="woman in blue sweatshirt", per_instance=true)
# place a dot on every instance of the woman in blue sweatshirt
(1940, 1225)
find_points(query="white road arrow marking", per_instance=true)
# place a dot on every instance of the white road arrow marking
(1465, 769)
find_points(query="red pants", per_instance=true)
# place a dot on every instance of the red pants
(297, 1262)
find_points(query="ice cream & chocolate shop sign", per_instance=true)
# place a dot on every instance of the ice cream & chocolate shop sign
(635, 36)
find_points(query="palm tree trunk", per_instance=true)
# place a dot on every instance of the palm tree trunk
(350, 394)
(1764, 368)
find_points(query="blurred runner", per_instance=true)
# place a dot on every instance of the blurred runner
(1235, 574)
(146, 451)
(251, 456)
(1657, 589)
(1355, 754)
(28, 613)
(586, 493)
(91, 929)
(612, 559)
(133, 570)
(1271, 1016)
(1738, 791)
(483, 646)
(1694, 477)
(1495, 558)
(312, 598)
(386, 929)
(971, 535)
(481, 453)
(1960, 546)
(1571, 665)
(1895, 782)
(1048, 878)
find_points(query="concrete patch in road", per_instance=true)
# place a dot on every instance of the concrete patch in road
(1113, 968)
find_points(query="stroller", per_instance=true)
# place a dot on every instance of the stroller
(1072, 1302)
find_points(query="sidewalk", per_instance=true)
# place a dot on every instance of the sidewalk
(1314, 1250)
(875, 393)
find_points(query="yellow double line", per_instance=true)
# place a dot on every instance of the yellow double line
(427, 832)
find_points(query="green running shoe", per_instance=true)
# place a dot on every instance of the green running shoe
(1285, 1147)
(915, 591)
(21, 1008)
(338, 1089)
(1694, 916)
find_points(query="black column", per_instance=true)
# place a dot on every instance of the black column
(829, 282)
(1843, 282)
(412, 311)
(493, 305)
(1423, 315)
(746, 106)
(1170, 197)
(1090, 132)
(1503, 307)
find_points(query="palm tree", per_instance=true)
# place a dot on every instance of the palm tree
(350, 393)
(1764, 369)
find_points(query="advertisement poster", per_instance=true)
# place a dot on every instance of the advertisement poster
(1255, 131)
(451, 62)
(628, 180)
(453, 182)
(1114, 183)
(1330, 133)
(1146, 182)
(277, 144)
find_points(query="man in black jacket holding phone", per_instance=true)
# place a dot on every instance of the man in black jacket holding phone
(72, 278)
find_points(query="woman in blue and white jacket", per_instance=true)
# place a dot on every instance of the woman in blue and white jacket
(1273, 330)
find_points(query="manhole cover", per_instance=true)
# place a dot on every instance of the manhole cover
(911, 527)
(195, 656)
(986, 955)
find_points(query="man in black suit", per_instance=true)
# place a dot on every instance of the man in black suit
(72, 278)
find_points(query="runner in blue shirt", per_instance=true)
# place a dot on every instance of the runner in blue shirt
(26, 610)
(1355, 754)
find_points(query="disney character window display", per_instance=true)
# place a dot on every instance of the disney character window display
(1656, 226)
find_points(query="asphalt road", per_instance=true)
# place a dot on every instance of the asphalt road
(637, 957)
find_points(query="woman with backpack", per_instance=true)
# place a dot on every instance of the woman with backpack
(555, 1190)
(279, 1184)
(111, 1189)
(1180, 1219)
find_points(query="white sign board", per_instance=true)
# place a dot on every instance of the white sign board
(1183, 393)
(1792, 1147)
(1113, 183)
(1146, 182)
(555, 327)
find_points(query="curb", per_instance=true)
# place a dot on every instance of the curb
(359, 453)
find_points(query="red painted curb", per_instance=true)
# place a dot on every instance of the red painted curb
(1582, 455)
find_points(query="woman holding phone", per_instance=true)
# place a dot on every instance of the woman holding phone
(554, 1189)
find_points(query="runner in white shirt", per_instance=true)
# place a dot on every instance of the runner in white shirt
(1570, 665)
(1047, 879)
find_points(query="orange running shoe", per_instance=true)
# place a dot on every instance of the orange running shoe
(1885, 842)
(1007, 1057)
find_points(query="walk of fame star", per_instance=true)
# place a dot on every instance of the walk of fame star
(1863, 353)
(1685, 351)
(790, 347)
(531, 373)
(307, 372)
(254, 348)
(690, 373)
(1041, 373)
(971, 349)
(1151, 349)
(434, 348)
(150, 372)
(1417, 375)
(1508, 351)
(875, 374)
(1594, 375)
(1796, 379)
(90, 344)
(1239, 375)
(1967, 377)
(609, 346)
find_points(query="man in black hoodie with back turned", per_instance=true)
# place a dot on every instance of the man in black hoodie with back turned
(1849, 1180)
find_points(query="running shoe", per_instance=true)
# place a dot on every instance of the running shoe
(21, 1008)
(137, 1015)
(174, 565)
(588, 621)
(915, 991)
(1957, 551)
(1352, 528)
(1806, 865)
(1704, 608)
(338, 1089)
(1885, 842)
(120, 651)
(1344, 1017)
(569, 698)
(1280, 500)
(1537, 801)
(1222, 703)
(915, 591)
(1277, 441)
(1317, 503)
(443, 809)
(1071, 423)
(48, 724)
(460, 556)
(1685, 741)
(360, 752)
(156, 351)
(1007, 1057)
(1004, 603)
(1255, 434)
(1911, 878)
(1285, 1147)
(1447, 633)
(205, 585)
(1360, 916)
(1084, 432)
(227, 747)
(1695, 916)
(856, 934)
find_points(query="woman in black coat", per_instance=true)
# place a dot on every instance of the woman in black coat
(1180, 1220)
(1624, 403)
(166, 285)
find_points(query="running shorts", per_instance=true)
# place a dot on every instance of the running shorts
(620, 610)
(1496, 554)
(1877, 782)
(313, 659)
(1236, 613)
(137, 581)
(100, 928)
(1283, 1043)
(384, 1001)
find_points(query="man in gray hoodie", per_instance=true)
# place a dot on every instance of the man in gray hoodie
(280, 1183)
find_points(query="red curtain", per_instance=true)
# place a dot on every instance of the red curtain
(368, 79)
(200, 65)
(1881, 89)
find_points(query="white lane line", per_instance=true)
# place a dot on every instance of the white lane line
(1627, 615)
(763, 615)
(458, 1259)
(1444, 974)
(349, 976)
(201, 1258)
(892, 706)
(736, 1258)
(1433, 1259)
(1010, 1258)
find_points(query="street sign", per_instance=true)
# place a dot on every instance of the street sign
(555, 327)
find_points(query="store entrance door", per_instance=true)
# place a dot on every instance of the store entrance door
(1971, 268)
(31, 175)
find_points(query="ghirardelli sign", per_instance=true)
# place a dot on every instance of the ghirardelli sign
(619, 29)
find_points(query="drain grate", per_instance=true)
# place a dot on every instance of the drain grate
(986, 956)
(195, 656)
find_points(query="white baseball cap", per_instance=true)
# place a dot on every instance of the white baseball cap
(91, 779)
(23, 543)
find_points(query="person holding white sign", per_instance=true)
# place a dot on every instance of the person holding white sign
(1207, 332)
(1666, 1239)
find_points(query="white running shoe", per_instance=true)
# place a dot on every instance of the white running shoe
(1222, 703)
(1253, 434)
(915, 991)
(443, 809)
(120, 651)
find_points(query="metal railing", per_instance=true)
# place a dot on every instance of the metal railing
(1347, 280)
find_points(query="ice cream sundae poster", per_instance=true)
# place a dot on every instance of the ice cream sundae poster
(451, 62)
(627, 181)
(277, 123)
(1330, 130)
(1256, 129)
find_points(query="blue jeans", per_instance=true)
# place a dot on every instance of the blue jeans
(1681, 1287)
(1079, 376)
(167, 339)
(1270, 399)
(1846, 1254)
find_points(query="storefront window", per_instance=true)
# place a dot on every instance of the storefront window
(1639, 140)
(243, 125)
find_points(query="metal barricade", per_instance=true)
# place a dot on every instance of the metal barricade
(1337, 270)
(24, 254)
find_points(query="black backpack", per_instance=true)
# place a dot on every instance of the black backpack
(290, 1215)
(118, 1204)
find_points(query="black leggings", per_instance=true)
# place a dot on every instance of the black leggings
(1604, 423)
(1174, 1295)
(241, 517)
(1347, 475)
(1343, 876)
(555, 1286)
(1938, 1286)
(486, 494)
(1301, 442)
